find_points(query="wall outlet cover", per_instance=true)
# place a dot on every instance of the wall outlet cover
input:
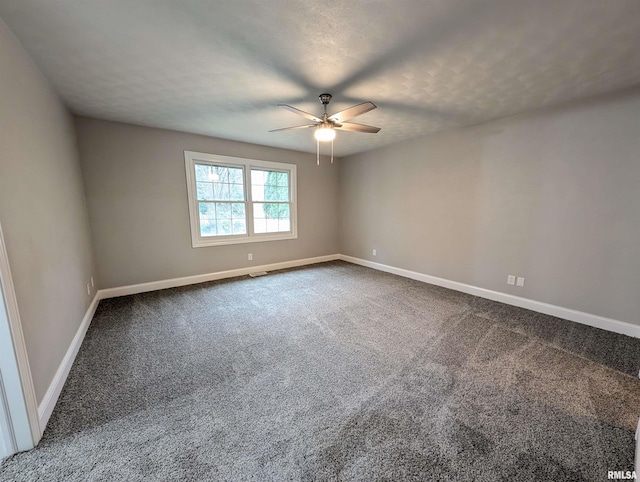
(511, 279)
(520, 281)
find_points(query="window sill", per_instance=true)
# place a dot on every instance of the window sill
(253, 239)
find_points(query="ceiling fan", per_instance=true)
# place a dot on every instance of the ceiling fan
(327, 125)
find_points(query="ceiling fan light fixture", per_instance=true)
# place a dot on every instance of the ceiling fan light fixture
(325, 134)
(327, 125)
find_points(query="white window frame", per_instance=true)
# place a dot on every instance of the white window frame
(192, 158)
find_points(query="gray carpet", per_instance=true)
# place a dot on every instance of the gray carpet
(337, 372)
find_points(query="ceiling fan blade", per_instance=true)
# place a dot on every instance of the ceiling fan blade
(294, 127)
(301, 112)
(352, 126)
(352, 112)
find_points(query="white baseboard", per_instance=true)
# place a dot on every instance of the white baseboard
(609, 324)
(45, 409)
(203, 278)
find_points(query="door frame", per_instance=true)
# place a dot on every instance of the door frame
(19, 423)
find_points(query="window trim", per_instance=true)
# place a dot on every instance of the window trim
(192, 158)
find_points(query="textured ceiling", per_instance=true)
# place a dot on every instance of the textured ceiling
(220, 67)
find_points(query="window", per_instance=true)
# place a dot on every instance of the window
(233, 200)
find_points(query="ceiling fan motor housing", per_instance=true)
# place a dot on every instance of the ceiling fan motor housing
(325, 98)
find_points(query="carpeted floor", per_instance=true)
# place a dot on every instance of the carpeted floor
(337, 372)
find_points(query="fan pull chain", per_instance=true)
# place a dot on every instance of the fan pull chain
(331, 151)
(318, 152)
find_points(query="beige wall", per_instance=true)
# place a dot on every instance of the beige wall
(553, 196)
(42, 211)
(137, 197)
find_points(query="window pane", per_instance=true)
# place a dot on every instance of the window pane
(205, 191)
(260, 225)
(210, 173)
(278, 194)
(219, 183)
(237, 210)
(269, 185)
(274, 193)
(223, 210)
(258, 211)
(284, 225)
(202, 172)
(283, 179)
(276, 210)
(285, 211)
(220, 174)
(271, 178)
(257, 184)
(257, 176)
(239, 226)
(271, 217)
(235, 175)
(207, 227)
(257, 192)
(236, 192)
(224, 227)
(207, 210)
(221, 191)
(220, 219)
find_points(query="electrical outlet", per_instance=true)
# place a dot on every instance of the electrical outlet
(88, 290)
(375, 253)
(250, 257)
(511, 279)
(520, 281)
(92, 285)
